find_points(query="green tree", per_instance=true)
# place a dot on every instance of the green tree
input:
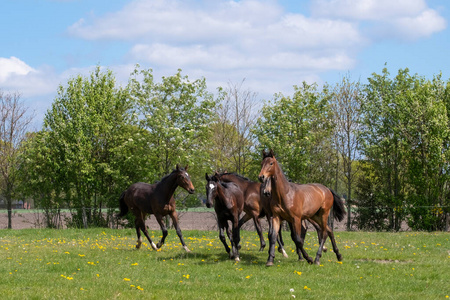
(177, 116)
(406, 128)
(89, 141)
(298, 129)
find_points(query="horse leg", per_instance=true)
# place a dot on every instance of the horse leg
(140, 224)
(236, 238)
(318, 229)
(297, 249)
(174, 217)
(322, 222)
(160, 220)
(223, 225)
(297, 231)
(259, 231)
(281, 243)
(138, 233)
(333, 242)
(274, 227)
(244, 220)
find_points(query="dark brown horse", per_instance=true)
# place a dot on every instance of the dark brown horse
(294, 202)
(228, 201)
(157, 199)
(255, 204)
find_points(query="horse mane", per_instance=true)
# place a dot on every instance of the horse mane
(174, 170)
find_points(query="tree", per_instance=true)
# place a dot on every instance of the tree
(177, 116)
(299, 130)
(346, 103)
(91, 143)
(405, 137)
(233, 139)
(14, 125)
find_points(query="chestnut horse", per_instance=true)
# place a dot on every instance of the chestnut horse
(157, 199)
(294, 202)
(228, 201)
(255, 205)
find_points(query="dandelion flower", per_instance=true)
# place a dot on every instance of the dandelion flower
(126, 279)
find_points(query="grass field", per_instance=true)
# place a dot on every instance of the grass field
(104, 264)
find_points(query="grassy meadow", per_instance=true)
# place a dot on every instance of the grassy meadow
(104, 264)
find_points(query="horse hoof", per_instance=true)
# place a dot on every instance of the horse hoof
(317, 263)
(284, 253)
(154, 246)
(269, 264)
(187, 249)
(236, 259)
(310, 261)
(324, 249)
(158, 245)
(339, 257)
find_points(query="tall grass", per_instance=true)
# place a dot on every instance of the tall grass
(104, 264)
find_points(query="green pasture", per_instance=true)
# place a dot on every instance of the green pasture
(104, 264)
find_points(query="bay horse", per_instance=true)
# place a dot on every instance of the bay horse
(294, 202)
(157, 199)
(228, 201)
(255, 204)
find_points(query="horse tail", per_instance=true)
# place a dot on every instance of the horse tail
(338, 207)
(123, 206)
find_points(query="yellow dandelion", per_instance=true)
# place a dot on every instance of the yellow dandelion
(126, 279)
(135, 264)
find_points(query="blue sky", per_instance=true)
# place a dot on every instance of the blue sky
(272, 44)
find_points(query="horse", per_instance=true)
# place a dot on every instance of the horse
(295, 202)
(228, 201)
(254, 204)
(157, 199)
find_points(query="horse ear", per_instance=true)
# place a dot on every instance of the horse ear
(186, 168)
(178, 167)
(207, 177)
(271, 154)
(264, 153)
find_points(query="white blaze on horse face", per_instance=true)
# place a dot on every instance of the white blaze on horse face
(212, 186)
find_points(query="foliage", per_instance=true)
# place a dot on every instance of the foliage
(104, 264)
(177, 115)
(82, 157)
(298, 129)
(405, 135)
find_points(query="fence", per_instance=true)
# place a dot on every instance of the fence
(203, 219)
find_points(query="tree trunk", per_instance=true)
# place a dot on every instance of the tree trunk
(9, 208)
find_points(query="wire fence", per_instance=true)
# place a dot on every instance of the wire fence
(192, 219)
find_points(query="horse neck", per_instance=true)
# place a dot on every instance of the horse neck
(221, 193)
(280, 185)
(168, 185)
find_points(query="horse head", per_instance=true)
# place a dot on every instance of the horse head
(268, 171)
(184, 180)
(211, 190)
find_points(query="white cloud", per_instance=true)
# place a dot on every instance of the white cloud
(226, 35)
(16, 75)
(13, 66)
(399, 19)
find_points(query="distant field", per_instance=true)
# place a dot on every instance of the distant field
(104, 264)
